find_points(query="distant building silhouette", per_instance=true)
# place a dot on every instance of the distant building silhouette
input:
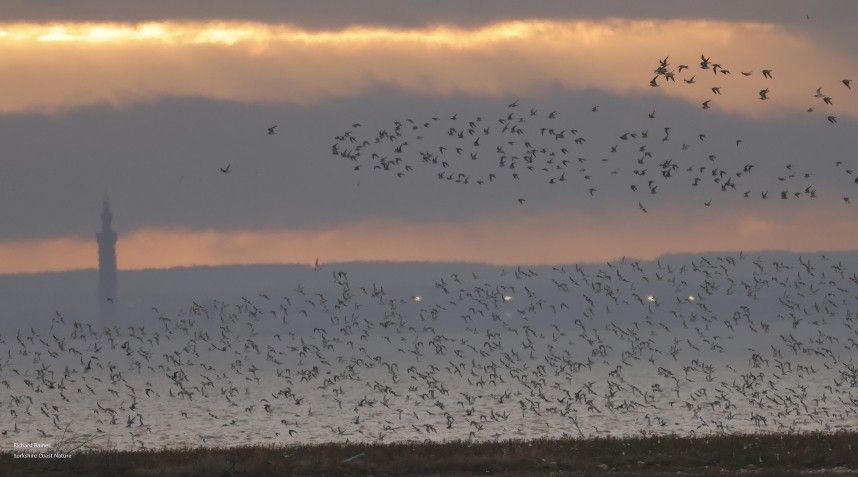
(106, 268)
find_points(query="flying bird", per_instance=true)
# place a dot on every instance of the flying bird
(226, 170)
(271, 130)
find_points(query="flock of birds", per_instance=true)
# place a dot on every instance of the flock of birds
(709, 344)
(686, 345)
(526, 144)
(668, 75)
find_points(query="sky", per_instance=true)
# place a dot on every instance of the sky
(148, 103)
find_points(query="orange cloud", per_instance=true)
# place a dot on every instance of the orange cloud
(30, 256)
(60, 66)
(559, 236)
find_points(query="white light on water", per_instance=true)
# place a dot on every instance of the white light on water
(691, 298)
(417, 298)
(507, 298)
(650, 298)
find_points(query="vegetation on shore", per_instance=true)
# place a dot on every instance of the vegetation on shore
(755, 454)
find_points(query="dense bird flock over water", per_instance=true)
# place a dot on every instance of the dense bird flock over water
(686, 345)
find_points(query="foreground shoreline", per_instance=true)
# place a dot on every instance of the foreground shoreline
(819, 454)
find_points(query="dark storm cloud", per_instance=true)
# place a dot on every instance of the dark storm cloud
(160, 163)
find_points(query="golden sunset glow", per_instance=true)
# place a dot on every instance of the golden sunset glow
(538, 239)
(231, 33)
(260, 69)
(67, 65)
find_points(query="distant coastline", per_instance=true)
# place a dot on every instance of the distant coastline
(38, 296)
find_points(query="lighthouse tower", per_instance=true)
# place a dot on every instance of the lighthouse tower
(107, 298)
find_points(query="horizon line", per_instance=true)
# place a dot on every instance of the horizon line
(324, 265)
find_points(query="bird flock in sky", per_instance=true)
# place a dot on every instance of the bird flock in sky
(709, 344)
(526, 144)
(668, 75)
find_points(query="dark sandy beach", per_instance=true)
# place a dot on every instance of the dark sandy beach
(725, 455)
